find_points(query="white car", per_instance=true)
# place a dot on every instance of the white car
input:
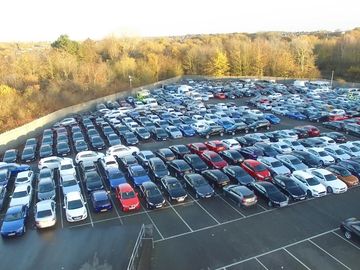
(260, 136)
(45, 214)
(309, 184)
(50, 162)
(294, 145)
(89, 156)
(232, 144)
(68, 122)
(282, 147)
(290, 135)
(132, 126)
(69, 183)
(197, 117)
(67, 167)
(74, 206)
(279, 110)
(200, 126)
(325, 158)
(352, 150)
(26, 177)
(109, 162)
(22, 195)
(275, 166)
(120, 150)
(337, 153)
(256, 113)
(327, 140)
(329, 180)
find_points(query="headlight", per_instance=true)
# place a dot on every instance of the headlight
(20, 230)
(150, 203)
(315, 191)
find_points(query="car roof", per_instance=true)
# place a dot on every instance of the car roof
(148, 184)
(44, 205)
(73, 195)
(125, 187)
(21, 187)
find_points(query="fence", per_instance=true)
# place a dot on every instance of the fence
(144, 234)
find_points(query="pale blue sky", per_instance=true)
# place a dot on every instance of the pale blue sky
(45, 20)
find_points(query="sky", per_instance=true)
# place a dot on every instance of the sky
(46, 20)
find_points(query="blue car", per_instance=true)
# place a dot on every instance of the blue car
(138, 175)
(14, 221)
(295, 115)
(272, 118)
(229, 126)
(115, 177)
(187, 130)
(14, 168)
(100, 201)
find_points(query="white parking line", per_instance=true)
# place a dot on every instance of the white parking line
(351, 243)
(261, 264)
(152, 221)
(176, 212)
(61, 207)
(241, 214)
(298, 260)
(277, 249)
(204, 209)
(316, 245)
(262, 207)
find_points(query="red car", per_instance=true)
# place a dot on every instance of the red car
(338, 117)
(127, 197)
(213, 160)
(312, 131)
(256, 169)
(197, 148)
(216, 146)
(220, 95)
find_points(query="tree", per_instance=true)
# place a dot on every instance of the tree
(64, 43)
(218, 64)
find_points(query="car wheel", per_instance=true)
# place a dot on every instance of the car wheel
(207, 136)
(196, 196)
(221, 134)
(267, 127)
(233, 133)
(308, 193)
(255, 129)
(337, 160)
(270, 204)
(329, 190)
(321, 163)
(347, 235)
(246, 131)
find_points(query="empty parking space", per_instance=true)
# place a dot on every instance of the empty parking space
(281, 259)
(138, 220)
(194, 215)
(253, 264)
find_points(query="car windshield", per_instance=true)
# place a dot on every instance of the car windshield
(140, 172)
(152, 192)
(354, 149)
(239, 172)
(216, 158)
(272, 190)
(20, 194)
(117, 175)
(276, 164)
(159, 167)
(47, 187)
(312, 181)
(199, 182)
(75, 204)
(174, 185)
(259, 168)
(128, 195)
(339, 152)
(66, 167)
(330, 177)
(21, 179)
(13, 216)
(44, 213)
(10, 155)
(69, 183)
(295, 161)
(344, 172)
(2, 177)
(322, 154)
(28, 151)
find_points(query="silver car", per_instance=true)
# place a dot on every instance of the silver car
(275, 166)
(45, 214)
(69, 184)
(46, 189)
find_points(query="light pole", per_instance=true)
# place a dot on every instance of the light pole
(130, 81)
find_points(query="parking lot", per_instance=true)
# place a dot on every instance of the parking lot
(210, 233)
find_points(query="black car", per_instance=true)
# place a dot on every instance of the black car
(199, 185)
(335, 125)
(3, 196)
(232, 156)
(241, 195)
(144, 156)
(92, 181)
(62, 149)
(247, 140)
(251, 152)
(45, 151)
(270, 193)
(267, 149)
(121, 129)
(290, 187)
(352, 166)
(157, 168)
(336, 136)
(173, 189)
(274, 136)
(159, 134)
(97, 143)
(238, 175)
(11, 156)
(142, 133)
(351, 228)
(179, 150)
(81, 146)
(312, 142)
(28, 154)
(127, 161)
(216, 178)
(179, 168)
(196, 163)
(152, 195)
(129, 138)
(307, 158)
(165, 154)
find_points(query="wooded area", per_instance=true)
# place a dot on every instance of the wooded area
(36, 79)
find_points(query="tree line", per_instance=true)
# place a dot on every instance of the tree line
(36, 79)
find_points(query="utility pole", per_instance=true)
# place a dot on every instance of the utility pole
(332, 78)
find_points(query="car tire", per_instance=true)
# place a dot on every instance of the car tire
(337, 160)
(246, 131)
(207, 136)
(308, 193)
(270, 204)
(255, 129)
(233, 133)
(329, 190)
(321, 163)
(267, 127)
(221, 134)
(196, 196)
(347, 235)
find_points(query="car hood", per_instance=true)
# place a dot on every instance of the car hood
(277, 197)
(117, 181)
(66, 190)
(130, 202)
(177, 193)
(156, 199)
(94, 185)
(296, 191)
(141, 179)
(11, 226)
(204, 189)
(77, 212)
(352, 180)
(46, 195)
(220, 164)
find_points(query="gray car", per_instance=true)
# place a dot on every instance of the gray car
(275, 166)
(292, 162)
(46, 189)
(241, 195)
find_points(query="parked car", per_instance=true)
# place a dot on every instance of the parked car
(115, 177)
(137, 175)
(11, 156)
(197, 148)
(127, 197)
(336, 136)
(26, 177)
(290, 187)
(165, 154)
(213, 160)
(28, 154)
(329, 180)
(325, 158)
(100, 201)
(198, 185)
(88, 155)
(344, 175)
(337, 153)
(178, 168)
(241, 195)
(157, 168)
(216, 177)
(238, 175)
(119, 151)
(256, 169)
(307, 158)
(74, 205)
(267, 149)
(45, 214)
(351, 228)
(309, 184)
(275, 166)
(173, 188)
(232, 157)
(196, 163)
(69, 183)
(92, 181)
(216, 146)
(14, 223)
(144, 156)
(269, 192)
(46, 189)
(152, 195)
(291, 162)
(352, 166)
